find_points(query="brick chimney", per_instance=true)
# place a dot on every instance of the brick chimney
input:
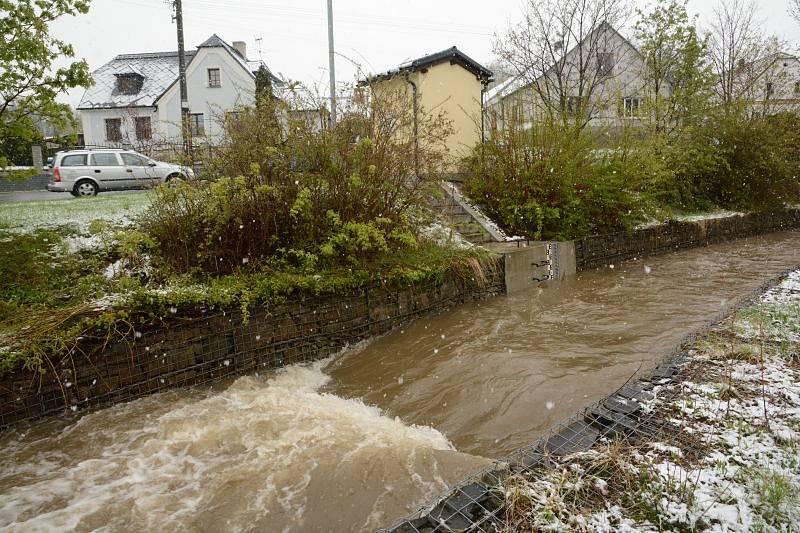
(241, 48)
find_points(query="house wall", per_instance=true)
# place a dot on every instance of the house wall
(237, 89)
(783, 73)
(94, 125)
(627, 80)
(446, 88)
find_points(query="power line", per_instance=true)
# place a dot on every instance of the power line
(219, 8)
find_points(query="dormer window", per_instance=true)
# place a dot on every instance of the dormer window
(129, 83)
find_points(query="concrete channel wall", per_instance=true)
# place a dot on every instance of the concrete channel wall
(223, 345)
(603, 250)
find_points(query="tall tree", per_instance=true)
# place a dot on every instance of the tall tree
(678, 80)
(737, 44)
(29, 81)
(794, 9)
(561, 50)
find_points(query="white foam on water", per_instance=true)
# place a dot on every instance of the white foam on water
(269, 452)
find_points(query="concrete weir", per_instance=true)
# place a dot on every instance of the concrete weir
(530, 263)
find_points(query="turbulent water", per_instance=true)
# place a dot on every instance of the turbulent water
(266, 454)
(354, 443)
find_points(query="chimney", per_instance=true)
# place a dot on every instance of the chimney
(241, 48)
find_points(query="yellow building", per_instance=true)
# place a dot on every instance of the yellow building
(447, 82)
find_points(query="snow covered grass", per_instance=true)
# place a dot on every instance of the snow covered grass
(728, 460)
(77, 214)
(662, 217)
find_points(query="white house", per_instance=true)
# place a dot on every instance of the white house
(772, 83)
(603, 76)
(135, 98)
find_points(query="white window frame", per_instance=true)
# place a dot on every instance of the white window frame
(629, 110)
(197, 127)
(219, 77)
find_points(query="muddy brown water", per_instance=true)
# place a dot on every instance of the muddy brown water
(357, 441)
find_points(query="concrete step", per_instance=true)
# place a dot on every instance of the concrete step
(457, 218)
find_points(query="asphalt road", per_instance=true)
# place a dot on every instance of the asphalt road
(38, 196)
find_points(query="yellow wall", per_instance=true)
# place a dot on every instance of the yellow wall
(448, 88)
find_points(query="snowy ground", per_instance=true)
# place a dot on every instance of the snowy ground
(729, 461)
(76, 214)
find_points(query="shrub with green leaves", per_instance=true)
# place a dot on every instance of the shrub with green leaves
(283, 194)
(549, 182)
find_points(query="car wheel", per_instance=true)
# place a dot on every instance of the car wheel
(85, 188)
(174, 180)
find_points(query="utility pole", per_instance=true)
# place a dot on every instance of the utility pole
(185, 127)
(331, 63)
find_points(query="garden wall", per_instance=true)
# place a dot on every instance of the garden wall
(35, 183)
(603, 250)
(219, 346)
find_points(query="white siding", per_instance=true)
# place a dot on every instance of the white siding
(626, 81)
(237, 89)
(94, 125)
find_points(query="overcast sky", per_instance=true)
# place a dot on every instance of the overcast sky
(377, 34)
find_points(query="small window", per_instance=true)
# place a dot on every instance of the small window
(797, 88)
(74, 161)
(605, 64)
(114, 129)
(213, 78)
(105, 160)
(144, 131)
(197, 125)
(233, 116)
(632, 105)
(129, 83)
(134, 160)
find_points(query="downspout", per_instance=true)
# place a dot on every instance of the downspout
(416, 130)
(484, 85)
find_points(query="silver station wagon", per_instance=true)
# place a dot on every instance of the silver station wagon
(88, 172)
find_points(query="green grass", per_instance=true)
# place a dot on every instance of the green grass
(75, 214)
(48, 290)
(47, 294)
(775, 496)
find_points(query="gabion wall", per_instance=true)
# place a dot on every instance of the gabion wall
(223, 345)
(603, 250)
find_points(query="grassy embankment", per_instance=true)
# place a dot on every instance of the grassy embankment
(63, 272)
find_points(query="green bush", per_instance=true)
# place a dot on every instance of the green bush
(549, 182)
(758, 162)
(293, 197)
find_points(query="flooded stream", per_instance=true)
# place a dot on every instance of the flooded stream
(355, 442)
